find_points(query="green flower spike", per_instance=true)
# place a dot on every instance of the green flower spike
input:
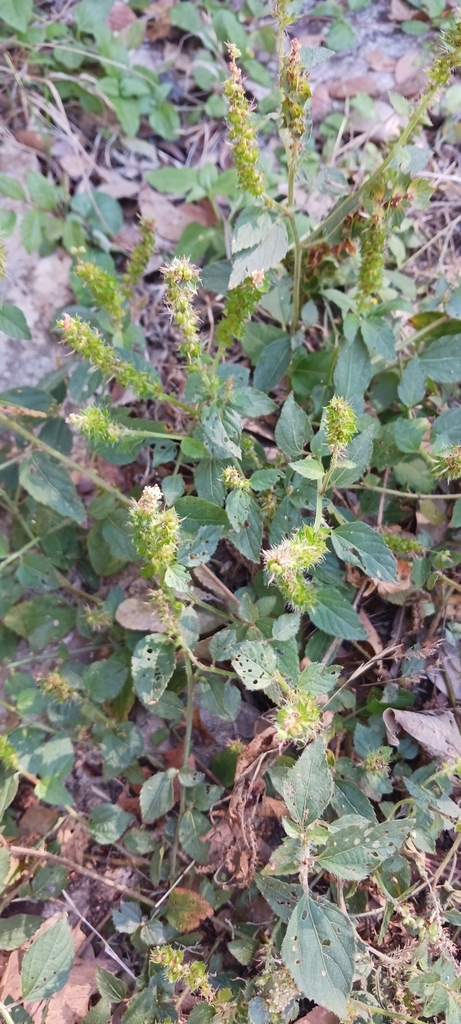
(241, 131)
(104, 288)
(96, 425)
(181, 278)
(300, 719)
(233, 479)
(141, 253)
(80, 337)
(241, 303)
(448, 463)
(340, 425)
(155, 531)
(288, 561)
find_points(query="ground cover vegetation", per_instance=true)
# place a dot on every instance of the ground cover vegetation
(282, 500)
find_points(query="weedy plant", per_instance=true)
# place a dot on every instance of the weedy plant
(369, 428)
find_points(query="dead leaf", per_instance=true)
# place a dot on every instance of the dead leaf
(319, 1016)
(117, 186)
(403, 580)
(158, 20)
(31, 139)
(379, 61)
(269, 807)
(400, 11)
(446, 673)
(74, 838)
(133, 613)
(186, 909)
(409, 78)
(453, 607)
(37, 820)
(75, 165)
(372, 636)
(382, 126)
(70, 1005)
(262, 742)
(120, 16)
(171, 220)
(342, 88)
(207, 578)
(321, 102)
(438, 734)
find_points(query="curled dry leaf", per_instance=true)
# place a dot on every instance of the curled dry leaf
(171, 220)
(133, 613)
(446, 673)
(343, 88)
(120, 16)
(403, 580)
(438, 734)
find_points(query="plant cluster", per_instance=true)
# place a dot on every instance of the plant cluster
(364, 428)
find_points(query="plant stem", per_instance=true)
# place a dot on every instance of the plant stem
(185, 763)
(297, 246)
(318, 507)
(35, 542)
(416, 496)
(5, 1014)
(16, 428)
(364, 1007)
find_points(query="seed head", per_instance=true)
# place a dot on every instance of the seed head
(448, 463)
(181, 278)
(234, 480)
(299, 719)
(340, 425)
(155, 531)
(141, 253)
(96, 425)
(241, 131)
(105, 290)
(287, 563)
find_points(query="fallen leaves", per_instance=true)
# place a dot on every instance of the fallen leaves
(186, 909)
(438, 734)
(172, 220)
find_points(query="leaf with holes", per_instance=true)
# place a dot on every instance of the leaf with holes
(152, 666)
(186, 909)
(281, 896)
(319, 952)
(47, 964)
(354, 852)
(308, 786)
(358, 544)
(256, 664)
(50, 484)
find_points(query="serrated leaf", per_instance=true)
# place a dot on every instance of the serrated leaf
(127, 917)
(219, 698)
(110, 987)
(119, 748)
(266, 254)
(186, 909)
(272, 364)
(441, 360)
(293, 428)
(251, 227)
(47, 963)
(9, 186)
(157, 796)
(309, 468)
(194, 826)
(9, 782)
(319, 952)
(333, 614)
(358, 452)
(354, 852)
(221, 433)
(50, 484)
(248, 538)
(40, 620)
(104, 679)
(152, 666)
(107, 823)
(281, 896)
(238, 504)
(256, 664)
(358, 544)
(117, 533)
(308, 785)
(286, 626)
(412, 387)
(352, 373)
(200, 511)
(18, 929)
(310, 56)
(379, 336)
(13, 322)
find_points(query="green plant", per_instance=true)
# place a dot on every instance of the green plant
(366, 431)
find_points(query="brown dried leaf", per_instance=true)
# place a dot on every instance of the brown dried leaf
(453, 608)
(171, 220)
(263, 742)
(400, 11)
(158, 20)
(403, 580)
(379, 61)
(31, 139)
(437, 733)
(319, 1016)
(269, 807)
(134, 613)
(446, 673)
(120, 16)
(372, 636)
(342, 88)
(37, 820)
(186, 909)
(74, 838)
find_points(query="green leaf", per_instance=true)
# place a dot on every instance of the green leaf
(44, 193)
(32, 230)
(103, 561)
(400, 104)
(90, 15)
(105, 679)
(152, 666)
(9, 782)
(273, 363)
(52, 791)
(252, 227)
(28, 398)
(47, 964)
(379, 337)
(41, 620)
(354, 852)
(441, 360)
(265, 254)
(186, 909)
(165, 121)
(310, 370)
(286, 626)
(50, 484)
(221, 428)
(449, 423)
(17, 14)
(174, 181)
(248, 538)
(194, 825)
(333, 614)
(117, 533)
(189, 626)
(349, 799)
(456, 516)
(16, 930)
(5, 868)
(201, 512)
(293, 428)
(371, 553)
(10, 187)
(352, 373)
(186, 16)
(359, 452)
(308, 786)
(319, 952)
(157, 796)
(308, 468)
(13, 322)
(310, 57)
(107, 823)
(256, 664)
(281, 896)
(127, 918)
(412, 387)
(110, 987)
(36, 571)
(58, 435)
(219, 698)
(341, 35)
(119, 748)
